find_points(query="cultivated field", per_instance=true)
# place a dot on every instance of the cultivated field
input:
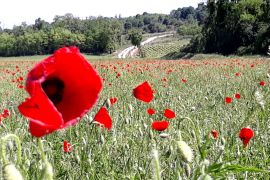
(199, 93)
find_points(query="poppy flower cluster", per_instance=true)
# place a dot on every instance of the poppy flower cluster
(62, 88)
(229, 100)
(164, 124)
(145, 93)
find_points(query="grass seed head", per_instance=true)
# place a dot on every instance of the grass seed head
(185, 151)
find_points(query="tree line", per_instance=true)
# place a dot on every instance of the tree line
(95, 35)
(234, 27)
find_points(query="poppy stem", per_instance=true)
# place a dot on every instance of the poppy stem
(17, 141)
(41, 150)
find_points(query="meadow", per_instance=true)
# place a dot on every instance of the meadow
(196, 90)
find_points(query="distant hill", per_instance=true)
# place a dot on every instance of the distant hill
(95, 35)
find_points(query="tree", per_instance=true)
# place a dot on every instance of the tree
(135, 37)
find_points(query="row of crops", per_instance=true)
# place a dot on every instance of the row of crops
(161, 50)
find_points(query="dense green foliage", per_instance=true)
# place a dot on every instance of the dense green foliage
(241, 27)
(135, 37)
(95, 35)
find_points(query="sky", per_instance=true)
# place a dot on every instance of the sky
(14, 12)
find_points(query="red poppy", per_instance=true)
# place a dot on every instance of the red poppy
(228, 100)
(245, 135)
(237, 74)
(144, 92)
(103, 118)
(262, 83)
(113, 100)
(62, 88)
(5, 113)
(184, 80)
(20, 86)
(214, 133)
(169, 113)
(150, 111)
(67, 146)
(237, 96)
(160, 125)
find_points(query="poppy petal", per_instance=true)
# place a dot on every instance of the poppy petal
(144, 92)
(169, 114)
(160, 125)
(103, 118)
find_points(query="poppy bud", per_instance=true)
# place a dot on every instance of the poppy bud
(187, 170)
(185, 151)
(164, 135)
(47, 172)
(10, 172)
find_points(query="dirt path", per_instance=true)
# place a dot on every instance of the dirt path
(133, 50)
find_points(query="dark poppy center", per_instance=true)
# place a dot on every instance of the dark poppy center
(53, 87)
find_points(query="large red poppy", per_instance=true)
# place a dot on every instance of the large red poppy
(144, 92)
(160, 125)
(103, 118)
(62, 88)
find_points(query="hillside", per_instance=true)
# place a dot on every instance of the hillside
(163, 47)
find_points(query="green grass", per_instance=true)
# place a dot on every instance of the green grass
(41, 57)
(125, 152)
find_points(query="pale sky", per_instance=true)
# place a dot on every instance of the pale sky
(16, 11)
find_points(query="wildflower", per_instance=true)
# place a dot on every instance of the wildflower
(144, 92)
(5, 113)
(67, 146)
(150, 111)
(169, 113)
(184, 80)
(262, 83)
(103, 118)
(113, 100)
(62, 88)
(214, 133)
(228, 100)
(237, 96)
(245, 135)
(160, 125)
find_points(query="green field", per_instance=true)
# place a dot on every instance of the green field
(162, 48)
(126, 151)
